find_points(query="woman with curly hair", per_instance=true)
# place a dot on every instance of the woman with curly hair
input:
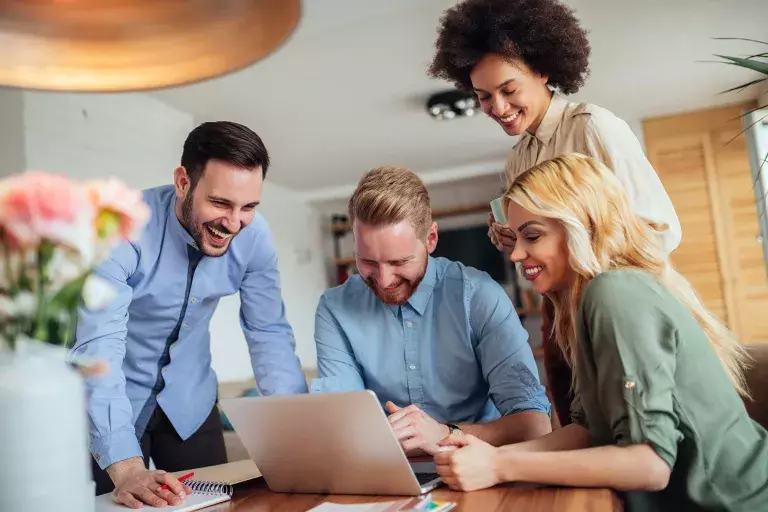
(657, 411)
(520, 57)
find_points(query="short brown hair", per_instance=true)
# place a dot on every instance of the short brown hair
(223, 140)
(387, 195)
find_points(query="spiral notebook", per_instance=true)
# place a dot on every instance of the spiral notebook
(204, 494)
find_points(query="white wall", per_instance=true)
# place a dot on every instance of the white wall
(636, 125)
(139, 139)
(131, 136)
(296, 228)
(11, 132)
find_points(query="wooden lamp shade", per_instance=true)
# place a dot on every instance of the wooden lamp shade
(131, 45)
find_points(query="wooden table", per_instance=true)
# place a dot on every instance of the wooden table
(254, 496)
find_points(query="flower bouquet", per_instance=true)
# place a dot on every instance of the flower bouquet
(53, 232)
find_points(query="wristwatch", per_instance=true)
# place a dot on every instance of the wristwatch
(454, 429)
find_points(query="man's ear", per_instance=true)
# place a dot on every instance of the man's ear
(181, 181)
(432, 238)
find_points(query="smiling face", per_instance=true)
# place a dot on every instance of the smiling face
(219, 206)
(511, 93)
(541, 249)
(392, 259)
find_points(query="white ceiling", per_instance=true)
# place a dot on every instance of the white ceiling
(346, 92)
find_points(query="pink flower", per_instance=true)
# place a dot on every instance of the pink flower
(113, 201)
(37, 206)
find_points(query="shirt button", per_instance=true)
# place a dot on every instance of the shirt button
(412, 367)
(193, 300)
(629, 384)
(409, 324)
(186, 326)
(165, 369)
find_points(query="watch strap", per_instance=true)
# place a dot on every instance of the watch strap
(454, 429)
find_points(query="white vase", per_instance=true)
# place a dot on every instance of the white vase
(44, 459)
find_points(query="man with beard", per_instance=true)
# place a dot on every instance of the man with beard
(438, 342)
(204, 241)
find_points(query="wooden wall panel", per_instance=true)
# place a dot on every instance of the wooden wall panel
(704, 166)
(680, 164)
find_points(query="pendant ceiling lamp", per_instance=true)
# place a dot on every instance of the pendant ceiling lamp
(131, 45)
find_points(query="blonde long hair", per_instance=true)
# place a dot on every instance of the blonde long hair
(604, 233)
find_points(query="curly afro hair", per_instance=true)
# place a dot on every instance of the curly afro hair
(544, 34)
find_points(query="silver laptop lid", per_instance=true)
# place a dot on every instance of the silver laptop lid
(335, 443)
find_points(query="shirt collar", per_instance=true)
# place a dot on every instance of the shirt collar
(552, 118)
(423, 293)
(175, 227)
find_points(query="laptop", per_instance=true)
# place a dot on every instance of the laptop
(329, 443)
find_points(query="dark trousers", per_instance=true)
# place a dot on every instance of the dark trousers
(169, 452)
(559, 373)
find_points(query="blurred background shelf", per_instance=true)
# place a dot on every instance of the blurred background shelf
(437, 213)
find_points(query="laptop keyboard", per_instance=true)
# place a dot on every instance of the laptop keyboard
(425, 478)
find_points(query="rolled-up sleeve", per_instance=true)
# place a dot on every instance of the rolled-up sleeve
(577, 411)
(101, 336)
(337, 367)
(262, 316)
(503, 351)
(633, 346)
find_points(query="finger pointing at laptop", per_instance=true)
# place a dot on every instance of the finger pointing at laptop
(417, 432)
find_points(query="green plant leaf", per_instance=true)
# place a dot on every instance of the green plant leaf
(739, 39)
(746, 129)
(46, 252)
(761, 107)
(754, 65)
(741, 87)
(70, 295)
(62, 310)
(25, 283)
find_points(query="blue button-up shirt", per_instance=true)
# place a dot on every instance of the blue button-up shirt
(155, 334)
(456, 349)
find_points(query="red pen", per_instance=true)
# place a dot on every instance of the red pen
(181, 479)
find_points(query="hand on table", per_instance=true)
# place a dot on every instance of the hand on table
(469, 466)
(415, 429)
(135, 484)
(500, 235)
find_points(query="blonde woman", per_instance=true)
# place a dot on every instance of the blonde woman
(657, 378)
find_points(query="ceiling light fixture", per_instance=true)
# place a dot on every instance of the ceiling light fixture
(129, 45)
(451, 104)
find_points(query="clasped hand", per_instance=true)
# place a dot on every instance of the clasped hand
(464, 462)
(501, 235)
